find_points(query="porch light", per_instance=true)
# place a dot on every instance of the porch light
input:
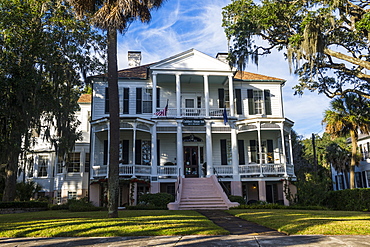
(254, 186)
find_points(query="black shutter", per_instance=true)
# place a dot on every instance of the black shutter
(106, 100)
(221, 98)
(125, 151)
(158, 104)
(238, 96)
(138, 152)
(250, 101)
(267, 102)
(158, 152)
(270, 151)
(241, 152)
(126, 99)
(139, 97)
(223, 152)
(105, 153)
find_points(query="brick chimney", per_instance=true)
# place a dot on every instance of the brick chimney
(134, 58)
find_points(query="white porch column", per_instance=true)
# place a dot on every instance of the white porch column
(134, 150)
(209, 148)
(178, 95)
(283, 147)
(154, 184)
(291, 151)
(206, 94)
(234, 153)
(154, 150)
(108, 132)
(231, 96)
(154, 94)
(92, 152)
(179, 147)
(262, 191)
(259, 147)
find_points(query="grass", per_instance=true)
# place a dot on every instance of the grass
(302, 222)
(96, 224)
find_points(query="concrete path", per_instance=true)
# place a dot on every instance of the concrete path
(195, 240)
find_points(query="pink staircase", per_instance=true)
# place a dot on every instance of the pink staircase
(201, 193)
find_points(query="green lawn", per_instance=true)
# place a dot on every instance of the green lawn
(301, 222)
(96, 224)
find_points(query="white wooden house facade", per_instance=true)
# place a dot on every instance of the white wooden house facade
(60, 179)
(251, 152)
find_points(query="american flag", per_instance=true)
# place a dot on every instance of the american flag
(162, 113)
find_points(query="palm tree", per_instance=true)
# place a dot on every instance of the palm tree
(349, 115)
(113, 16)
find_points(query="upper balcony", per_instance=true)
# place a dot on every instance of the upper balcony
(194, 112)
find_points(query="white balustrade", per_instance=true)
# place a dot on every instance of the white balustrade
(167, 170)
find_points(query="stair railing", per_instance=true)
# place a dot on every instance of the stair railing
(178, 186)
(221, 182)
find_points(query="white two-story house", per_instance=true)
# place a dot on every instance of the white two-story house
(61, 178)
(192, 116)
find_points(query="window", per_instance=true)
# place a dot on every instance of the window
(223, 98)
(87, 162)
(59, 197)
(143, 152)
(238, 101)
(144, 100)
(43, 166)
(30, 167)
(362, 152)
(368, 178)
(60, 164)
(259, 102)
(72, 195)
(226, 157)
(367, 155)
(73, 164)
(241, 152)
(124, 152)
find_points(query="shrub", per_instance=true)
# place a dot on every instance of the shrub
(81, 205)
(349, 200)
(28, 204)
(159, 200)
(238, 199)
(26, 190)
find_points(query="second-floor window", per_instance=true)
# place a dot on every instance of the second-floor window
(259, 102)
(73, 164)
(43, 166)
(143, 100)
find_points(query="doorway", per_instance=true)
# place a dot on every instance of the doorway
(191, 166)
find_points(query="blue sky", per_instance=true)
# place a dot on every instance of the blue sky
(181, 25)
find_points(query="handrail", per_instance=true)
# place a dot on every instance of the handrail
(221, 182)
(178, 185)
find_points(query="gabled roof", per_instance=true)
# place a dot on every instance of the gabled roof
(85, 98)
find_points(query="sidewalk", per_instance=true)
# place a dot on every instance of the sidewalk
(195, 240)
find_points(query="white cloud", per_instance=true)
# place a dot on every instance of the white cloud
(182, 25)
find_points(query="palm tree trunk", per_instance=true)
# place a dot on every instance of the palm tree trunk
(113, 179)
(353, 159)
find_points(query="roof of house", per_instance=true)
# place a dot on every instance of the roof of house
(141, 72)
(85, 98)
(246, 76)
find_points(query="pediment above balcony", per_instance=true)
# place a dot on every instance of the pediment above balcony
(191, 60)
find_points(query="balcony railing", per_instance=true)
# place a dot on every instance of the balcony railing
(196, 112)
(167, 171)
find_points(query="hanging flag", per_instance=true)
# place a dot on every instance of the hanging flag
(225, 115)
(162, 113)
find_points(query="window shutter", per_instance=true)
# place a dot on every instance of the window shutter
(125, 151)
(138, 152)
(238, 96)
(105, 153)
(241, 152)
(223, 152)
(221, 98)
(158, 152)
(158, 97)
(139, 98)
(106, 100)
(250, 102)
(267, 102)
(126, 99)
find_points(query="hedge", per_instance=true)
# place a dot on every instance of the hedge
(27, 204)
(349, 200)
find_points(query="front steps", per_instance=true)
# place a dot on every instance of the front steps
(201, 193)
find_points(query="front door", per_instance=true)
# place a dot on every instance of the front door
(191, 162)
